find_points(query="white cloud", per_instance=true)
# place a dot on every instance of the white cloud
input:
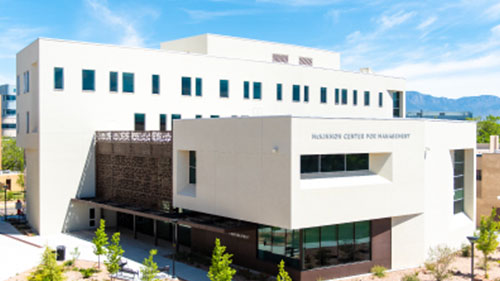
(387, 22)
(428, 22)
(202, 15)
(493, 12)
(14, 38)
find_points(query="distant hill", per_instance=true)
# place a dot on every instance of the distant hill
(483, 105)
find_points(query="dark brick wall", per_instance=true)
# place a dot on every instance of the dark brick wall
(137, 174)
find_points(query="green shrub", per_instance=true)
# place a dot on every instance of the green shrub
(439, 262)
(465, 250)
(411, 277)
(88, 272)
(68, 263)
(378, 271)
(48, 269)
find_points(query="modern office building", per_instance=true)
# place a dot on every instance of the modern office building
(447, 115)
(279, 153)
(487, 174)
(8, 93)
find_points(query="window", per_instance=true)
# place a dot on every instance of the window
(192, 167)
(337, 96)
(155, 79)
(88, 80)
(128, 82)
(396, 105)
(305, 61)
(333, 163)
(280, 58)
(26, 81)
(163, 122)
(17, 84)
(198, 116)
(275, 244)
(367, 98)
(10, 112)
(9, 126)
(296, 93)
(113, 81)
(306, 93)
(257, 90)
(27, 122)
(17, 119)
(58, 78)
(92, 217)
(214, 116)
(279, 92)
(458, 181)
(224, 88)
(380, 99)
(355, 97)
(139, 122)
(323, 95)
(199, 87)
(246, 90)
(479, 175)
(344, 96)
(174, 117)
(186, 86)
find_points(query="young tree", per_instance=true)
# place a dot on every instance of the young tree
(100, 242)
(114, 254)
(150, 269)
(439, 262)
(48, 268)
(487, 127)
(220, 269)
(282, 274)
(12, 155)
(488, 235)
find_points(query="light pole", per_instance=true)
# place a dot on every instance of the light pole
(472, 239)
(174, 221)
(5, 187)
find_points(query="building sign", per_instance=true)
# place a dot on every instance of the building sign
(360, 136)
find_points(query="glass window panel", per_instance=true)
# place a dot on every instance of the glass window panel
(278, 241)
(306, 93)
(344, 96)
(395, 112)
(329, 236)
(246, 89)
(224, 88)
(198, 116)
(186, 86)
(458, 182)
(88, 80)
(332, 163)
(362, 241)
(163, 122)
(395, 100)
(257, 90)
(296, 93)
(355, 97)
(113, 81)
(367, 98)
(311, 238)
(279, 92)
(192, 167)
(156, 83)
(292, 243)
(309, 164)
(458, 206)
(346, 242)
(356, 162)
(58, 78)
(128, 82)
(458, 194)
(139, 121)
(380, 99)
(459, 156)
(337, 96)
(264, 240)
(199, 87)
(323, 95)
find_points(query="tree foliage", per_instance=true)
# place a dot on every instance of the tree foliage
(487, 127)
(439, 262)
(114, 254)
(220, 269)
(282, 274)
(100, 241)
(48, 270)
(150, 269)
(12, 155)
(488, 237)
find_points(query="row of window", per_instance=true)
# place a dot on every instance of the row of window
(333, 163)
(8, 97)
(8, 112)
(140, 120)
(9, 126)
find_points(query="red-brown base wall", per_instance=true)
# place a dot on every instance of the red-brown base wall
(244, 250)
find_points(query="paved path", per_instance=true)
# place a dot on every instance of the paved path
(17, 256)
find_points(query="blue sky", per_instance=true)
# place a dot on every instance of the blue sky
(444, 48)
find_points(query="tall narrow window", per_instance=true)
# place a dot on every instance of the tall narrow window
(246, 90)
(113, 81)
(380, 99)
(17, 85)
(355, 97)
(88, 80)
(296, 93)
(306, 93)
(128, 82)
(199, 87)
(323, 95)
(458, 181)
(257, 90)
(27, 122)
(174, 117)
(186, 86)
(139, 122)
(367, 98)
(26, 81)
(163, 122)
(18, 122)
(192, 167)
(279, 91)
(344, 96)
(58, 78)
(224, 88)
(337, 96)
(396, 106)
(155, 80)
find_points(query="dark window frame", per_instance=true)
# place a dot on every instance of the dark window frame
(224, 88)
(59, 83)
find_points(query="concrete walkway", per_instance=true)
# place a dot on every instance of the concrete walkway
(17, 256)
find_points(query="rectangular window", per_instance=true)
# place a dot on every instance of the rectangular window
(139, 122)
(323, 95)
(88, 80)
(479, 174)
(311, 238)
(128, 82)
(296, 93)
(186, 86)
(346, 243)
(155, 80)
(279, 92)
(257, 90)
(396, 106)
(362, 241)
(380, 99)
(58, 78)
(192, 167)
(246, 90)
(19, 121)
(458, 181)
(163, 122)
(199, 87)
(174, 117)
(337, 96)
(198, 116)
(305, 61)
(224, 88)
(280, 58)
(344, 96)
(367, 98)
(27, 122)
(113, 81)
(306, 93)
(26, 81)
(355, 97)
(333, 163)
(214, 116)
(356, 162)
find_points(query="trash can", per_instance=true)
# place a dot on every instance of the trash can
(61, 253)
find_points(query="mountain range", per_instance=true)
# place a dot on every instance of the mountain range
(483, 105)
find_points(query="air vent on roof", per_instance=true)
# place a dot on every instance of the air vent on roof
(280, 58)
(305, 61)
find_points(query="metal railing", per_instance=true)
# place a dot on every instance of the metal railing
(134, 136)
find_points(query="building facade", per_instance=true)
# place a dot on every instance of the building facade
(8, 93)
(112, 112)
(488, 171)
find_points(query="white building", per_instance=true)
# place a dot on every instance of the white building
(248, 169)
(8, 93)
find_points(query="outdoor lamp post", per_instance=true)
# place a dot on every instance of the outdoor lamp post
(174, 221)
(5, 187)
(472, 239)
